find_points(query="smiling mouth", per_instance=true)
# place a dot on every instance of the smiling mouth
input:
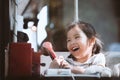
(75, 49)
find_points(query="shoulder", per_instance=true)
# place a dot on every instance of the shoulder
(100, 55)
(99, 58)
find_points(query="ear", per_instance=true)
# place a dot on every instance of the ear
(92, 41)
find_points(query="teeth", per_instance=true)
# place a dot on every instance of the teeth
(75, 48)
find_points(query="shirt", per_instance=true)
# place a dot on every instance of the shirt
(94, 64)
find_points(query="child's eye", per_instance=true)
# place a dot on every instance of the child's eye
(77, 37)
(68, 40)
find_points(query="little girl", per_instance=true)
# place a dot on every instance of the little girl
(84, 47)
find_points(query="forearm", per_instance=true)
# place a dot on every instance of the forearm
(90, 69)
(77, 70)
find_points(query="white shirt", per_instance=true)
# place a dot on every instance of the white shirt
(94, 64)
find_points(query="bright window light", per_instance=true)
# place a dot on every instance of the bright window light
(43, 21)
(30, 23)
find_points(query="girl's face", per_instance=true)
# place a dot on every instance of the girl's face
(78, 43)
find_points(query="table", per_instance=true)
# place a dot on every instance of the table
(95, 76)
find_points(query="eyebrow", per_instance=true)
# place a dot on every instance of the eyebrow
(74, 35)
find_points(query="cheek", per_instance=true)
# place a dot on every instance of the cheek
(83, 41)
(68, 47)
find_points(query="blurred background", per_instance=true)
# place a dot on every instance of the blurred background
(45, 20)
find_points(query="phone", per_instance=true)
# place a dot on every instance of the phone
(49, 47)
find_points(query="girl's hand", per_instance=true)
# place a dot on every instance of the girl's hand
(64, 64)
(74, 69)
(60, 62)
(56, 63)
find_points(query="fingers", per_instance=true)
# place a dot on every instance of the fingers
(58, 60)
(64, 64)
(61, 62)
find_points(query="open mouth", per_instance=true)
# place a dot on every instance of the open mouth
(75, 49)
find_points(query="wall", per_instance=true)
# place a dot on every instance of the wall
(100, 13)
(4, 33)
